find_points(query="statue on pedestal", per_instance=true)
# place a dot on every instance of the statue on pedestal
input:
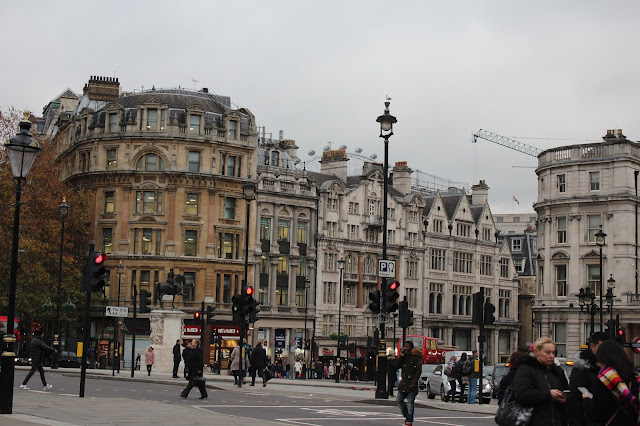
(172, 286)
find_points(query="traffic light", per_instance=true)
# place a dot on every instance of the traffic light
(405, 316)
(210, 314)
(374, 306)
(196, 315)
(145, 301)
(253, 315)
(307, 344)
(489, 310)
(477, 317)
(612, 328)
(235, 308)
(620, 336)
(391, 299)
(299, 343)
(94, 272)
(247, 300)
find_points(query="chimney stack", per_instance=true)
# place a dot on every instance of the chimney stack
(402, 177)
(479, 193)
(102, 88)
(334, 162)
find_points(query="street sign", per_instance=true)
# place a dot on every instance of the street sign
(636, 345)
(167, 297)
(208, 300)
(116, 311)
(386, 268)
(384, 318)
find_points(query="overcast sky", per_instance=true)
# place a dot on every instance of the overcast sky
(548, 73)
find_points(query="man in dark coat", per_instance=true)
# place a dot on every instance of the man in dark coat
(176, 359)
(186, 354)
(258, 363)
(196, 372)
(584, 374)
(410, 361)
(37, 352)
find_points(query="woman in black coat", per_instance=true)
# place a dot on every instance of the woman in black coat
(515, 360)
(539, 383)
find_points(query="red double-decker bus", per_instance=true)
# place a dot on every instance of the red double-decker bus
(16, 326)
(432, 352)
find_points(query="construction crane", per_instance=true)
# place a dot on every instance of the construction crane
(508, 142)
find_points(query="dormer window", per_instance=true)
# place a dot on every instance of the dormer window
(194, 124)
(152, 119)
(113, 122)
(233, 126)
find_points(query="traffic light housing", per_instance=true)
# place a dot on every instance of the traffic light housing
(197, 315)
(145, 301)
(489, 310)
(307, 345)
(620, 336)
(405, 316)
(253, 315)
(94, 273)
(210, 314)
(235, 308)
(374, 297)
(612, 328)
(247, 300)
(391, 298)
(477, 317)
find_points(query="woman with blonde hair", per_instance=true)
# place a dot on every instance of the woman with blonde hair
(539, 383)
(149, 359)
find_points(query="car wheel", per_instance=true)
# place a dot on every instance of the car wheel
(442, 394)
(430, 394)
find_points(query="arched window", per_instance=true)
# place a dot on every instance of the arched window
(468, 305)
(500, 309)
(455, 304)
(352, 264)
(369, 265)
(461, 305)
(506, 308)
(150, 163)
(439, 304)
(431, 303)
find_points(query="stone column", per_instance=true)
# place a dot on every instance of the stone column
(166, 328)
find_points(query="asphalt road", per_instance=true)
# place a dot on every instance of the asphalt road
(271, 404)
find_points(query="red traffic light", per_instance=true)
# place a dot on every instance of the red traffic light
(394, 285)
(196, 315)
(249, 291)
(620, 332)
(100, 258)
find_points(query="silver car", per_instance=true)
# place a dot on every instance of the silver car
(437, 383)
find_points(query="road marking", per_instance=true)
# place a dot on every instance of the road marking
(32, 419)
(429, 420)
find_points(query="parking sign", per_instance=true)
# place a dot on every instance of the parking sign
(387, 268)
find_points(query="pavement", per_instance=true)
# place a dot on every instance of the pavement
(40, 407)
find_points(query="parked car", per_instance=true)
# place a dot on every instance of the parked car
(499, 371)
(22, 361)
(69, 359)
(437, 383)
(426, 370)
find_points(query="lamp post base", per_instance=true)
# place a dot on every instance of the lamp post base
(381, 376)
(6, 381)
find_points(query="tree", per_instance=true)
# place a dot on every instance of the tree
(40, 227)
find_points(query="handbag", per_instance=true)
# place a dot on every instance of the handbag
(511, 412)
(267, 374)
(199, 379)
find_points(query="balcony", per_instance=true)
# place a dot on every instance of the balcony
(285, 246)
(302, 249)
(265, 246)
(373, 220)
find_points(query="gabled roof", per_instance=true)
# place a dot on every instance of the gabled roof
(476, 212)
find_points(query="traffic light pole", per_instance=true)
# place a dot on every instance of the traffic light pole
(480, 349)
(202, 323)
(133, 331)
(381, 388)
(85, 344)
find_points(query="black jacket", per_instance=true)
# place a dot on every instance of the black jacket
(186, 354)
(38, 350)
(532, 386)
(584, 374)
(196, 365)
(411, 369)
(604, 405)
(504, 384)
(258, 358)
(176, 353)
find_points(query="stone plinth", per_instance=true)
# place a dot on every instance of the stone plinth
(166, 328)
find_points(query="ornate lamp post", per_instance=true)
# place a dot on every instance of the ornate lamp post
(64, 210)
(600, 241)
(115, 365)
(304, 350)
(22, 150)
(586, 300)
(611, 283)
(386, 121)
(341, 263)
(249, 194)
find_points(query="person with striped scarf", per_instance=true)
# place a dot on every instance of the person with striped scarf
(614, 396)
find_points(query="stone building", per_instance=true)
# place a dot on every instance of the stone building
(583, 189)
(167, 167)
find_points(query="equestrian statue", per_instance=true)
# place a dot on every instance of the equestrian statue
(172, 286)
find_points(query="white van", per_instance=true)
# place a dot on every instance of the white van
(458, 354)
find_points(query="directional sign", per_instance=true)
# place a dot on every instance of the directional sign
(208, 300)
(386, 268)
(167, 297)
(384, 318)
(636, 345)
(116, 311)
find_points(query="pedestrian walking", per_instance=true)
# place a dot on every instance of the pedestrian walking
(614, 399)
(297, 367)
(258, 364)
(325, 372)
(176, 359)
(410, 361)
(149, 359)
(539, 383)
(583, 375)
(186, 354)
(450, 372)
(237, 365)
(515, 360)
(473, 379)
(463, 369)
(37, 352)
(196, 372)
(137, 367)
(332, 370)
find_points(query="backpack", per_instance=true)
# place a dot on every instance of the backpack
(448, 371)
(466, 368)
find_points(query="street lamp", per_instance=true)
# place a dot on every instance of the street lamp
(115, 365)
(341, 263)
(304, 349)
(64, 210)
(249, 194)
(386, 121)
(609, 296)
(600, 241)
(586, 300)
(22, 150)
